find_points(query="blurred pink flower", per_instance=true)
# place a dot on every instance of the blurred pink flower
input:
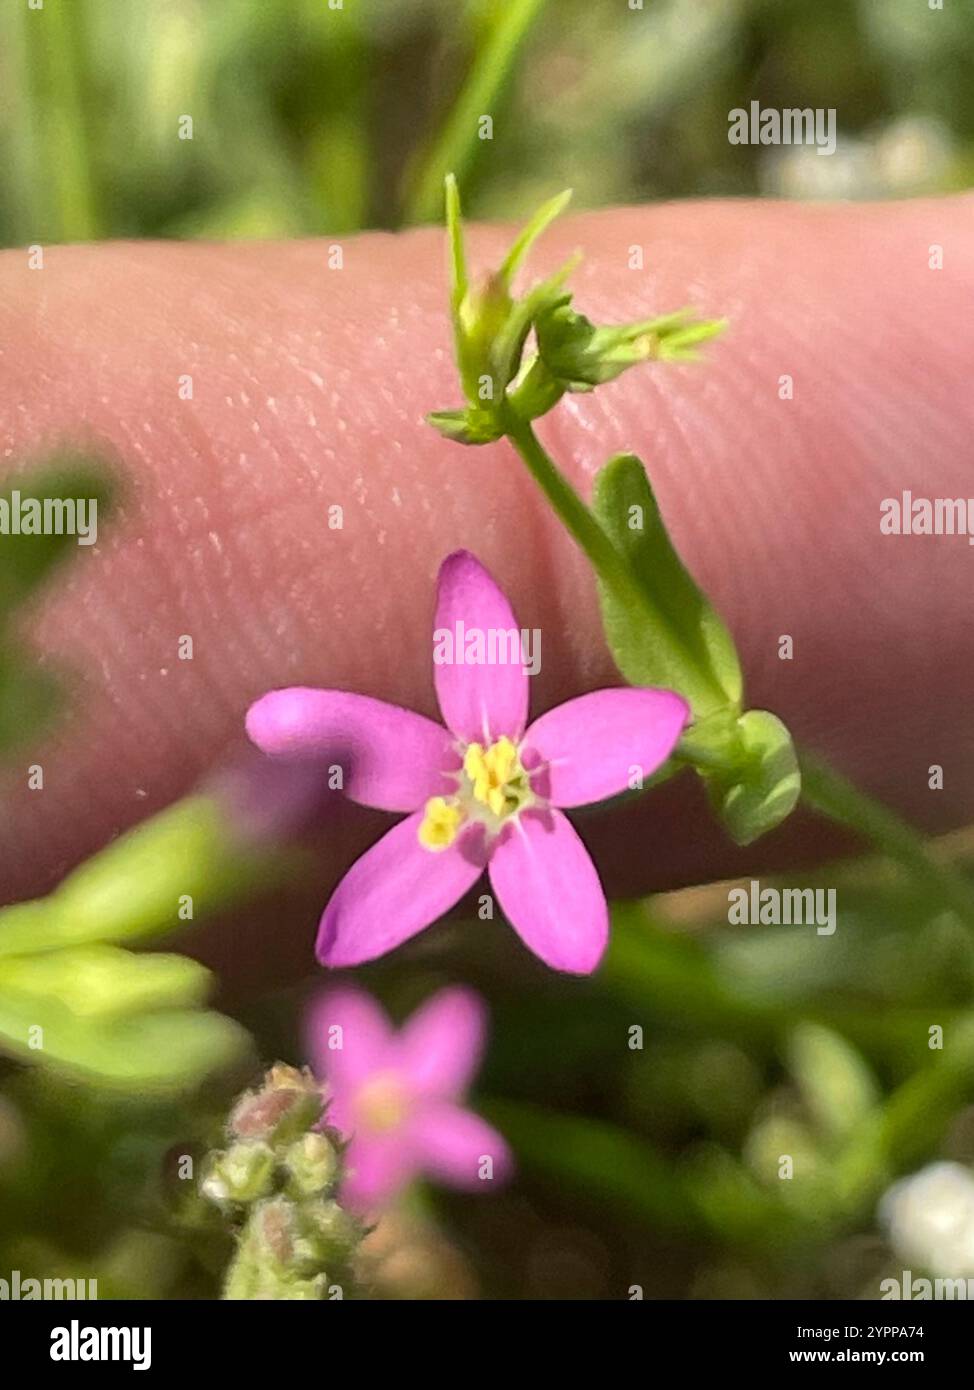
(484, 791)
(396, 1096)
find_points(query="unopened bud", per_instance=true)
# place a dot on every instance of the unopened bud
(289, 1102)
(242, 1173)
(312, 1163)
(333, 1225)
(275, 1229)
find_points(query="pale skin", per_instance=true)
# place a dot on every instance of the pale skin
(309, 389)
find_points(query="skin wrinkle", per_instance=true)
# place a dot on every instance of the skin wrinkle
(883, 641)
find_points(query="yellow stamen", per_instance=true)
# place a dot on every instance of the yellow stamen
(490, 771)
(439, 826)
(493, 786)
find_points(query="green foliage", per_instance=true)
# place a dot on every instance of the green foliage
(90, 997)
(675, 638)
(838, 1086)
(176, 867)
(688, 648)
(156, 1050)
(69, 1000)
(308, 127)
(29, 697)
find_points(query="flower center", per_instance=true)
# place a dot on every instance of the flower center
(382, 1104)
(493, 787)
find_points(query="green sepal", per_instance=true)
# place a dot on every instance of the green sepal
(465, 426)
(762, 788)
(582, 356)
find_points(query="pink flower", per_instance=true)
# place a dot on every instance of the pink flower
(483, 792)
(396, 1096)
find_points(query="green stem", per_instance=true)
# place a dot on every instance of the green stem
(576, 517)
(60, 111)
(830, 794)
(457, 141)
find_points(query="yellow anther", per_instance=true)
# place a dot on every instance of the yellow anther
(438, 828)
(490, 771)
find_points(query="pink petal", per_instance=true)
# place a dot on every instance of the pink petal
(550, 892)
(347, 1058)
(440, 1046)
(451, 1144)
(377, 1167)
(391, 758)
(395, 890)
(479, 702)
(593, 744)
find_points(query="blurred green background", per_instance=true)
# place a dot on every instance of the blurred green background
(651, 1167)
(309, 119)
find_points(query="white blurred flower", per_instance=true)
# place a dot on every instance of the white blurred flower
(929, 1218)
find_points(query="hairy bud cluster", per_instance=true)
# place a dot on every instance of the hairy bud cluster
(275, 1182)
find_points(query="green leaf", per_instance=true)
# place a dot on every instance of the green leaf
(136, 886)
(596, 1161)
(28, 701)
(170, 1051)
(764, 788)
(26, 560)
(836, 1083)
(454, 228)
(687, 648)
(538, 224)
(105, 981)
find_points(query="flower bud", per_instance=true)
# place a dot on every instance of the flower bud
(582, 356)
(275, 1229)
(333, 1225)
(242, 1173)
(289, 1102)
(312, 1163)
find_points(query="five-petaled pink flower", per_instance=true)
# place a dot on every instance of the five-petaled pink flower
(396, 1096)
(483, 792)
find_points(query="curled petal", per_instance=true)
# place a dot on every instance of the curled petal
(483, 693)
(440, 1046)
(459, 1148)
(391, 758)
(395, 890)
(550, 892)
(592, 747)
